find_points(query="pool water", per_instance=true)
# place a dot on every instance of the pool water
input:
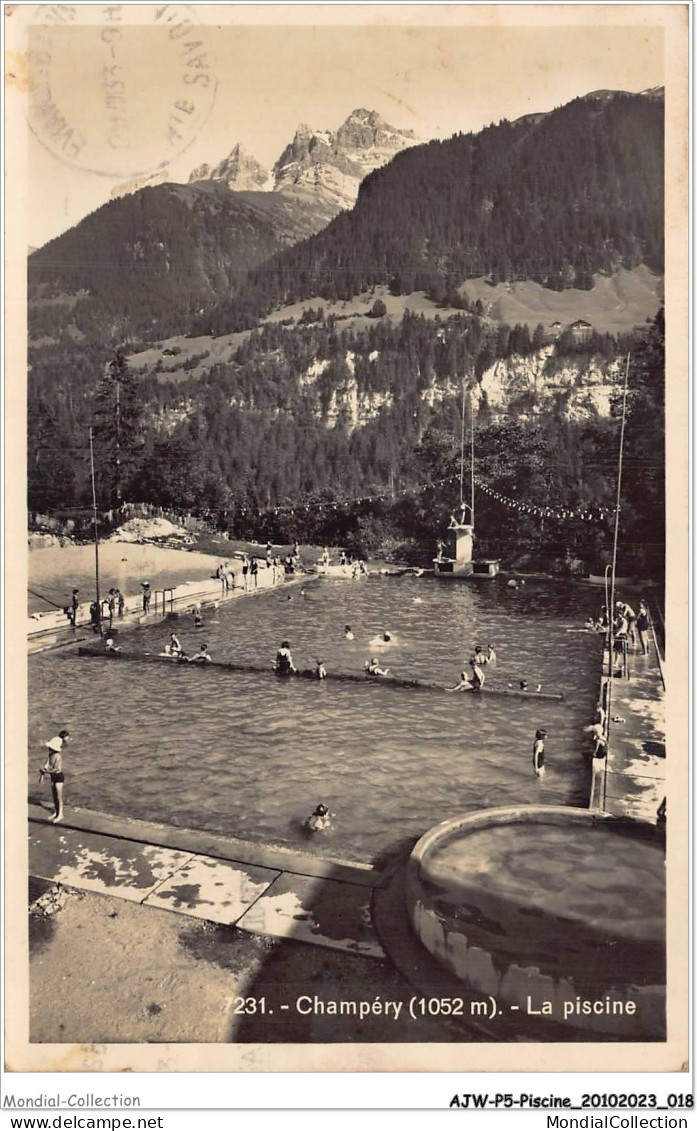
(250, 756)
(598, 875)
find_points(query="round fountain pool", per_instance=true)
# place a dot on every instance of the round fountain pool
(549, 911)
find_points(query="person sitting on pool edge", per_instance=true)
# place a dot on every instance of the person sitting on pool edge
(284, 661)
(320, 819)
(473, 682)
(372, 667)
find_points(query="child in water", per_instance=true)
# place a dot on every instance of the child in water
(373, 667)
(320, 670)
(320, 819)
(538, 753)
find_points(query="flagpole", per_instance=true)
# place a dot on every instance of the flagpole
(96, 539)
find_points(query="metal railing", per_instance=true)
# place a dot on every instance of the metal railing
(162, 597)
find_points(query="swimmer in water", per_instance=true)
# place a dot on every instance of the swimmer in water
(523, 685)
(320, 670)
(490, 654)
(202, 656)
(538, 753)
(284, 661)
(110, 646)
(348, 635)
(198, 620)
(382, 640)
(320, 819)
(372, 667)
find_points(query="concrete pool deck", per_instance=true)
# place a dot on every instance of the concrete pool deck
(254, 887)
(630, 781)
(52, 630)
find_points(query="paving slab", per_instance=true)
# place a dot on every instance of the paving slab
(207, 888)
(100, 863)
(323, 912)
(198, 842)
(634, 783)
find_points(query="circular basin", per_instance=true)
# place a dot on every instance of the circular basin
(549, 911)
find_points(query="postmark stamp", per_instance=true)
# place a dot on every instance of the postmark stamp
(119, 90)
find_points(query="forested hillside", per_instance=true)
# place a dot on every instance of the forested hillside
(144, 265)
(557, 200)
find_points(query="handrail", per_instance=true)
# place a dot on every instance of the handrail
(655, 644)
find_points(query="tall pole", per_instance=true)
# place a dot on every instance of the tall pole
(611, 610)
(96, 539)
(118, 441)
(462, 444)
(472, 462)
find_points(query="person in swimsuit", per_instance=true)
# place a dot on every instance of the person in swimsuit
(348, 635)
(477, 676)
(202, 656)
(110, 646)
(74, 605)
(284, 661)
(54, 768)
(538, 753)
(597, 733)
(320, 670)
(146, 595)
(320, 819)
(175, 648)
(642, 627)
(372, 667)
(120, 602)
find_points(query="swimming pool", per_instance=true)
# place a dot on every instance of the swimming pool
(251, 756)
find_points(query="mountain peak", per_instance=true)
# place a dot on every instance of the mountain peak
(240, 171)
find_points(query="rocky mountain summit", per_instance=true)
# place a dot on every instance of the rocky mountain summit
(332, 165)
(239, 171)
(324, 166)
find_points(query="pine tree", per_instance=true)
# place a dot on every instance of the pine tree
(118, 427)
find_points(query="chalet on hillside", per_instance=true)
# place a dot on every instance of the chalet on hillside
(580, 330)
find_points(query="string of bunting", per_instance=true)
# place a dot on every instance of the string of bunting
(590, 514)
(578, 514)
(375, 497)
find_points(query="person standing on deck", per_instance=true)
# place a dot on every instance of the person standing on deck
(642, 627)
(146, 595)
(245, 572)
(54, 768)
(73, 607)
(120, 603)
(254, 570)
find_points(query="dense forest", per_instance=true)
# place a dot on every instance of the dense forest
(253, 448)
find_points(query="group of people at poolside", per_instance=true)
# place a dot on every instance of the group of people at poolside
(627, 625)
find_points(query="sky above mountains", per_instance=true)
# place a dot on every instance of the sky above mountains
(432, 80)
